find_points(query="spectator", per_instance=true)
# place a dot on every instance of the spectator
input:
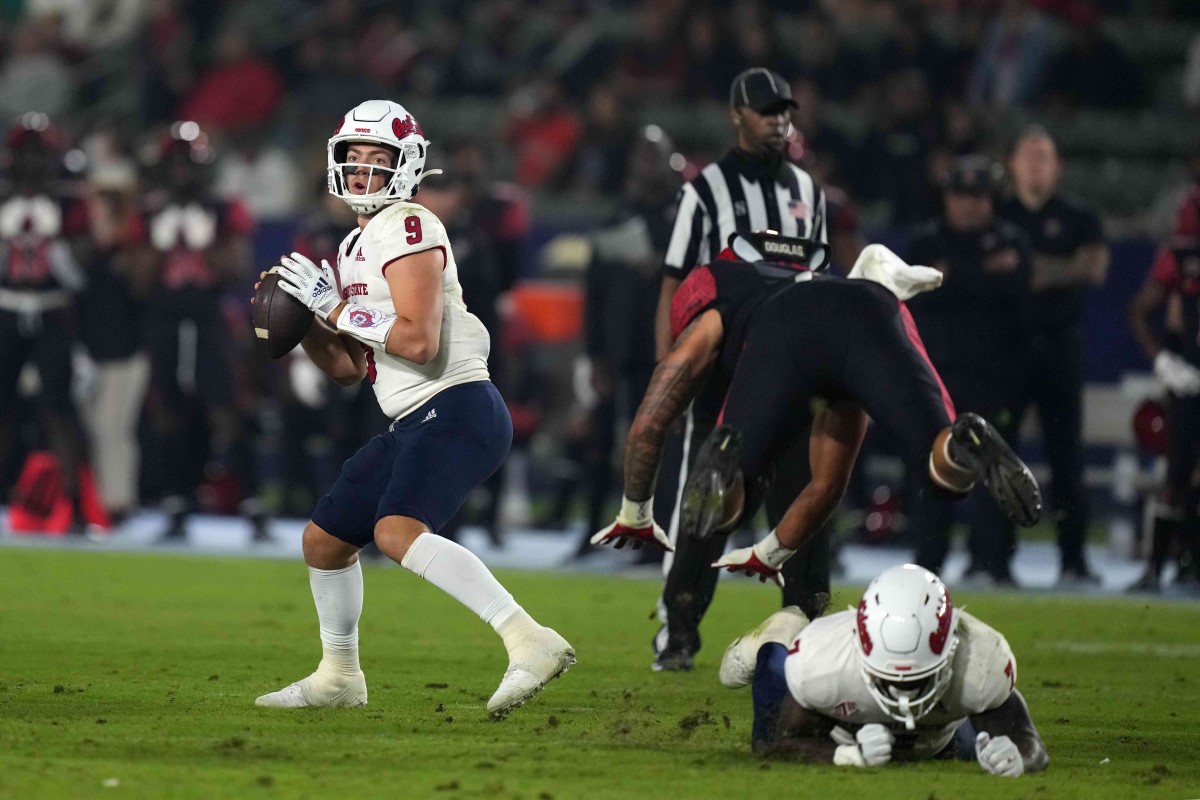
(262, 174)
(817, 136)
(913, 46)
(1011, 65)
(1092, 71)
(600, 162)
(895, 154)
(34, 77)
(711, 58)
(240, 89)
(825, 58)
(653, 65)
(164, 48)
(543, 132)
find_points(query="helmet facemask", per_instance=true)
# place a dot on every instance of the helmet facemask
(401, 180)
(907, 698)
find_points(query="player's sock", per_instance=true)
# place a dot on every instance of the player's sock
(338, 594)
(1167, 522)
(768, 689)
(944, 470)
(459, 573)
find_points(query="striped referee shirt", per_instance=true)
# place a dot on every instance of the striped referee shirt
(742, 192)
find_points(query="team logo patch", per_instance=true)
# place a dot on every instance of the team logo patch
(406, 127)
(359, 255)
(845, 710)
(365, 317)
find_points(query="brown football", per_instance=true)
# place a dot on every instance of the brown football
(280, 320)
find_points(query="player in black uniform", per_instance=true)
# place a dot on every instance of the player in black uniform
(39, 277)
(201, 247)
(782, 337)
(1175, 274)
(1070, 256)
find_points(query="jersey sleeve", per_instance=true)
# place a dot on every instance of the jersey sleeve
(696, 294)
(688, 246)
(990, 666)
(409, 229)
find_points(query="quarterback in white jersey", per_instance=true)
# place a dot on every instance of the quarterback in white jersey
(902, 677)
(392, 313)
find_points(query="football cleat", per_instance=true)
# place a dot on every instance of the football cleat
(975, 444)
(322, 690)
(532, 663)
(738, 663)
(710, 484)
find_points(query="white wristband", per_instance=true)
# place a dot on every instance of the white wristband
(366, 324)
(771, 552)
(848, 755)
(636, 513)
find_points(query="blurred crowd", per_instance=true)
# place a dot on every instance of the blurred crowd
(180, 140)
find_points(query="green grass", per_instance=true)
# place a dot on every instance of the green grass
(144, 669)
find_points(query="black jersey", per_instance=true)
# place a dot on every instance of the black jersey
(1057, 229)
(736, 290)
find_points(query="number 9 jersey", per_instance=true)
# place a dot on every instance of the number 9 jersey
(363, 261)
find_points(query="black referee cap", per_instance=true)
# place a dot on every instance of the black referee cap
(762, 90)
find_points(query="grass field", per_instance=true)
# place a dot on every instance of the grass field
(134, 676)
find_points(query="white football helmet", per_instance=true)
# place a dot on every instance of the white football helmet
(389, 124)
(907, 635)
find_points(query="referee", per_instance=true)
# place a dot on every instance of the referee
(752, 187)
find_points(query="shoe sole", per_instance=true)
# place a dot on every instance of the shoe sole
(564, 665)
(709, 484)
(1004, 475)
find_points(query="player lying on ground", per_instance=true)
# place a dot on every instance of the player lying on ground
(397, 318)
(905, 676)
(787, 337)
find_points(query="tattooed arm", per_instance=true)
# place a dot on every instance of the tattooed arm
(676, 380)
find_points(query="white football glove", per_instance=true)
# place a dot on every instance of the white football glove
(879, 264)
(1176, 373)
(314, 286)
(999, 756)
(873, 748)
(763, 560)
(635, 523)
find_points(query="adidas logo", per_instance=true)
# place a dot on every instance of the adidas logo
(432, 413)
(359, 256)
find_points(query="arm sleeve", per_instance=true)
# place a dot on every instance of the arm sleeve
(408, 230)
(689, 238)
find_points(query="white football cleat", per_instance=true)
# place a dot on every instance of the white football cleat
(737, 665)
(320, 689)
(533, 662)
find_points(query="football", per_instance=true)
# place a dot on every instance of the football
(280, 320)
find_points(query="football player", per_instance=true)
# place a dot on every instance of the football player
(784, 336)
(39, 278)
(392, 313)
(905, 676)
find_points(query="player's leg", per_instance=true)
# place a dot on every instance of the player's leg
(447, 448)
(1170, 507)
(52, 355)
(741, 656)
(342, 522)
(1059, 398)
(888, 372)
(13, 351)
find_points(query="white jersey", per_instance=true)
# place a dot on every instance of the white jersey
(824, 675)
(364, 257)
